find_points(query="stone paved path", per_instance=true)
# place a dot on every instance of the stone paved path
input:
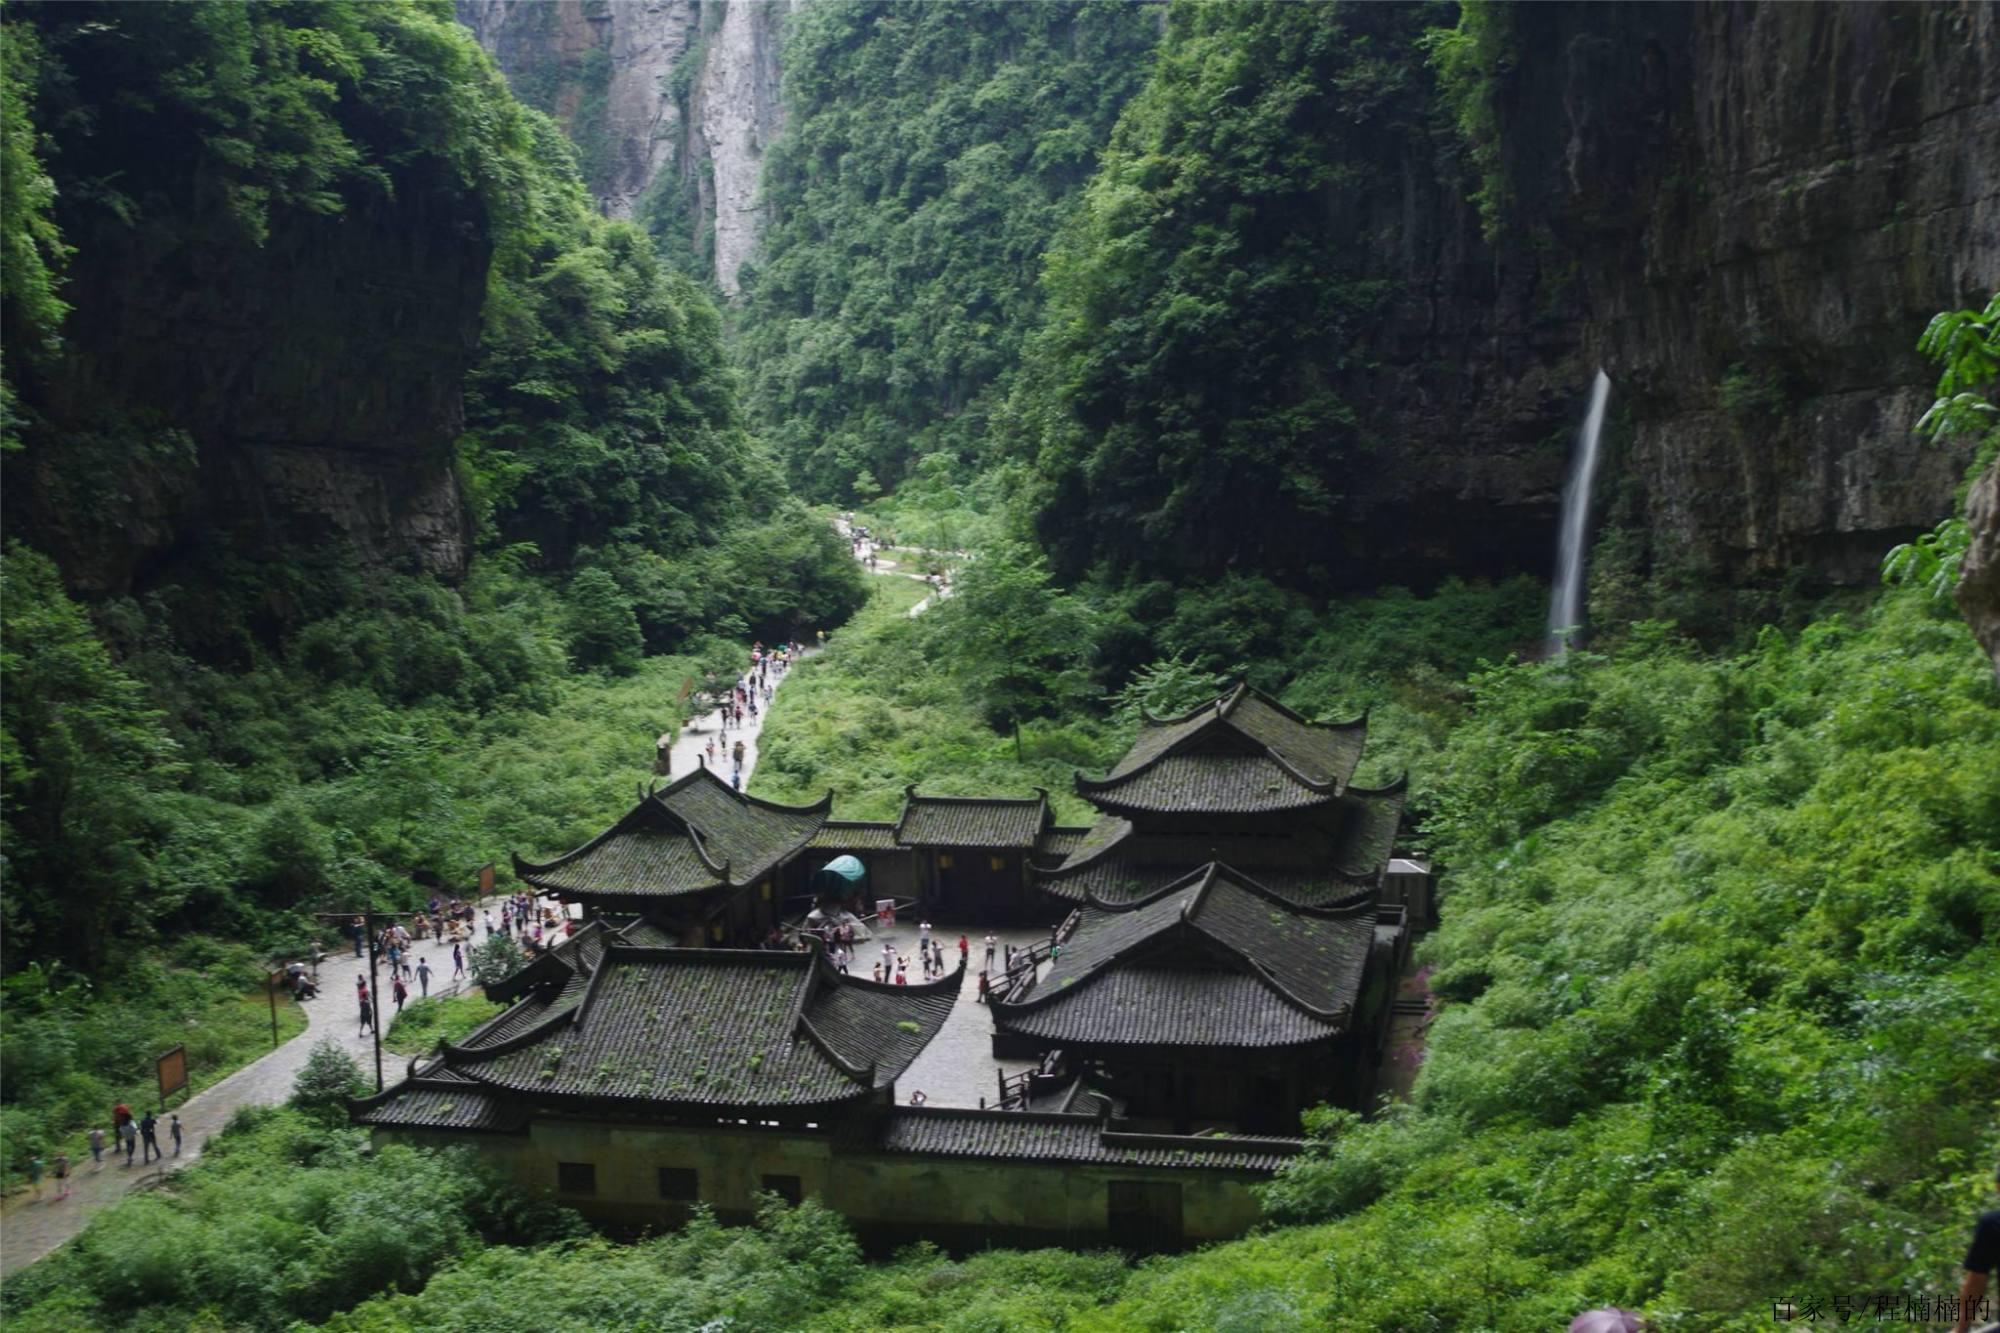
(691, 747)
(30, 1228)
(957, 1068)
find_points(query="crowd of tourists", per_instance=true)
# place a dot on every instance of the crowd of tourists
(740, 707)
(129, 1135)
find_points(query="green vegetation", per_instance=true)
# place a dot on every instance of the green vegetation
(240, 738)
(283, 1219)
(930, 153)
(1717, 1023)
(426, 1022)
(887, 704)
(1185, 399)
(74, 1046)
(1717, 950)
(1471, 58)
(31, 247)
(1966, 346)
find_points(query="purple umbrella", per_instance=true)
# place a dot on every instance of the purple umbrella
(1611, 1319)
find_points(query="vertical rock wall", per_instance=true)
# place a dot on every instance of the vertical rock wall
(1744, 211)
(671, 102)
(1763, 205)
(300, 393)
(737, 112)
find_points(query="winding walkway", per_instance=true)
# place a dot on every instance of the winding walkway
(31, 1228)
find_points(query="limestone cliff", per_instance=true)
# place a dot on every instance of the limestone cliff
(280, 396)
(671, 103)
(1746, 214)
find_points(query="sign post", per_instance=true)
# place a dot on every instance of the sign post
(172, 1069)
(271, 991)
(486, 873)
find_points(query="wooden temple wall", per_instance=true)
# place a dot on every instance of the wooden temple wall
(961, 1204)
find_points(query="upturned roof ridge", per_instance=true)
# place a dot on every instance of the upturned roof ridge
(862, 1074)
(455, 1053)
(700, 771)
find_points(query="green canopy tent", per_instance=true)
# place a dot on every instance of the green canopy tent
(841, 877)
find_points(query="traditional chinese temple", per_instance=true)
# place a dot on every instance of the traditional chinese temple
(1221, 953)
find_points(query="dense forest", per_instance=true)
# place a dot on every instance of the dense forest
(370, 495)
(219, 717)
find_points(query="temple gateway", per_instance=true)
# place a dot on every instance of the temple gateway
(1216, 953)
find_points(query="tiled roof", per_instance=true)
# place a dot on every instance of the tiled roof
(1324, 752)
(1368, 833)
(1121, 880)
(643, 934)
(1243, 753)
(752, 835)
(711, 1027)
(1205, 784)
(1059, 842)
(855, 835)
(1118, 880)
(1021, 1135)
(889, 1024)
(694, 836)
(424, 1103)
(1141, 1006)
(547, 974)
(1216, 959)
(1100, 839)
(971, 821)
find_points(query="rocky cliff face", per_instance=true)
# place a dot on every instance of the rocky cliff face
(1769, 206)
(1745, 213)
(306, 391)
(670, 98)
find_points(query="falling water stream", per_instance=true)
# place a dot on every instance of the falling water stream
(1566, 594)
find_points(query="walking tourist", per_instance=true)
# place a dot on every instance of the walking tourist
(128, 1137)
(97, 1147)
(35, 1172)
(149, 1130)
(424, 975)
(174, 1128)
(458, 956)
(990, 942)
(62, 1175)
(399, 992)
(367, 1013)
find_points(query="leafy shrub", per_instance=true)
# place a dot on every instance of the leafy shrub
(329, 1077)
(494, 960)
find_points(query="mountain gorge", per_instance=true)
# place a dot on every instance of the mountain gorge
(1746, 263)
(413, 412)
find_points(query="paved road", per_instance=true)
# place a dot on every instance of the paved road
(691, 748)
(957, 1068)
(30, 1228)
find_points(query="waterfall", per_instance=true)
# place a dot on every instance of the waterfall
(1566, 594)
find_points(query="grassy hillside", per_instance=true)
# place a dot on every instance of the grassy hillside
(1717, 1028)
